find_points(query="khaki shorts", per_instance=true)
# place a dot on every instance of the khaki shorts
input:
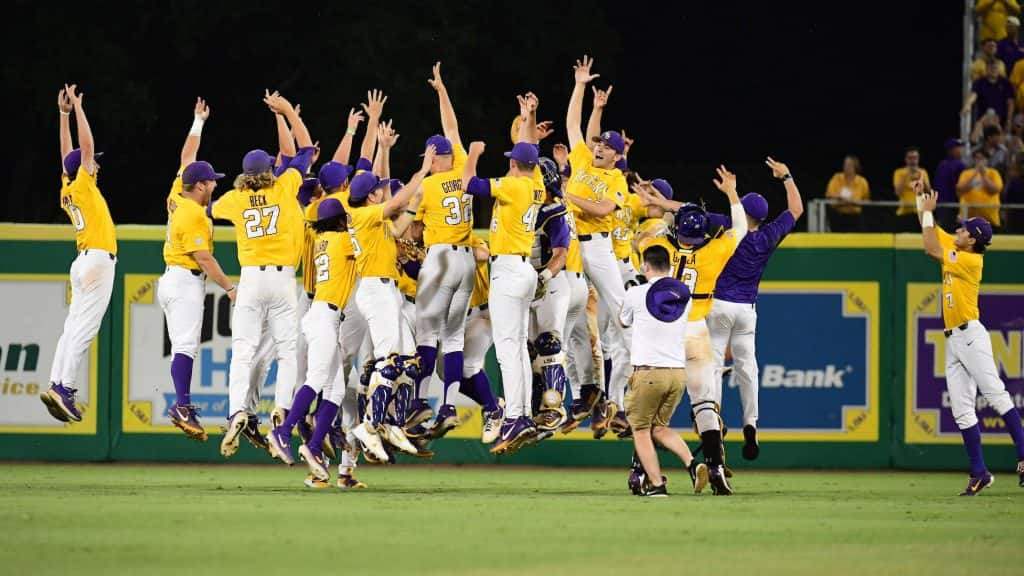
(653, 395)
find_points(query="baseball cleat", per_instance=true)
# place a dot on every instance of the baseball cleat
(590, 395)
(513, 432)
(335, 442)
(277, 417)
(396, 437)
(305, 429)
(251, 432)
(975, 485)
(656, 491)
(314, 482)
(237, 423)
(492, 425)
(600, 419)
(698, 475)
(719, 483)
(60, 402)
(185, 417)
(280, 446)
(447, 419)
(620, 426)
(371, 444)
(550, 420)
(349, 482)
(751, 449)
(1020, 472)
(419, 412)
(317, 466)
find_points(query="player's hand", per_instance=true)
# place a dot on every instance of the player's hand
(73, 96)
(63, 101)
(232, 293)
(726, 181)
(544, 129)
(601, 96)
(436, 82)
(581, 71)
(476, 148)
(779, 170)
(532, 102)
(542, 288)
(316, 152)
(428, 158)
(354, 118)
(560, 153)
(930, 201)
(374, 106)
(278, 104)
(386, 135)
(202, 111)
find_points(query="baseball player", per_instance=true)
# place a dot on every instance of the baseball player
(701, 260)
(479, 336)
(733, 317)
(267, 217)
(188, 254)
(596, 189)
(92, 272)
(518, 198)
(445, 282)
(970, 367)
(371, 208)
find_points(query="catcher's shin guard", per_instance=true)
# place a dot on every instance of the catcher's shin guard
(401, 402)
(550, 362)
(379, 392)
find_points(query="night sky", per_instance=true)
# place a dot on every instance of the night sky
(696, 83)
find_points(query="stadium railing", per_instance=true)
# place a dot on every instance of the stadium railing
(880, 213)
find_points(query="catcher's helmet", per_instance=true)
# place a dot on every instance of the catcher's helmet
(691, 225)
(552, 176)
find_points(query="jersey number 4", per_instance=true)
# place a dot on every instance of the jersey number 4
(254, 221)
(459, 210)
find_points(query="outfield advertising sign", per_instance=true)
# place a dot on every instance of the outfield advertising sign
(33, 309)
(929, 419)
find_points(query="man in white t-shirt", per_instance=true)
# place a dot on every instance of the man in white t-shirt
(658, 313)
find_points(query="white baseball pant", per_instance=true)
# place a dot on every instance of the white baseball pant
(735, 324)
(700, 373)
(584, 360)
(443, 290)
(181, 295)
(602, 270)
(971, 368)
(321, 325)
(513, 283)
(92, 281)
(479, 338)
(380, 302)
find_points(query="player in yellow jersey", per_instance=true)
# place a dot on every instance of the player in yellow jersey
(371, 208)
(188, 254)
(267, 218)
(970, 367)
(92, 272)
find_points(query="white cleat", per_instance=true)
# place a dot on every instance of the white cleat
(396, 437)
(492, 425)
(229, 445)
(371, 442)
(317, 466)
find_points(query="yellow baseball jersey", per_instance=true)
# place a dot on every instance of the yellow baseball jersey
(309, 247)
(268, 222)
(626, 219)
(594, 184)
(85, 206)
(373, 242)
(188, 229)
(406, 284)
(517, 200)
(701, 268)
(961, 279)
(643, 228)
(335, 272)
(573, 256)
(661, 239)
(446, 210)
(481, 280)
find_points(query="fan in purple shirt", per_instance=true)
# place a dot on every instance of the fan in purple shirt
(733, 317)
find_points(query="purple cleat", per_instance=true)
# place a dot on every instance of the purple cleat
(280, 446)
(513, 433)
(60, 402)
(975, 485)
(446, 421)
(419, 412)
(719, 483)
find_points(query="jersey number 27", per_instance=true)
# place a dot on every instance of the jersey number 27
(254, 221)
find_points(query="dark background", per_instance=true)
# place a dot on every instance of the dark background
(696, 84)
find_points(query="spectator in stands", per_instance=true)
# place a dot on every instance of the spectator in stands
(993, 15)
(1014, 194)
(992, 143)
(901, 178)
(1009, 50)
(946, 177)
(847, 186)
(1014, 142)
(988, 55)
(980, 185)
(991, 95)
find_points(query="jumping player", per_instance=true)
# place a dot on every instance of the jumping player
(92, 272)
(188, 253)
(970, 367)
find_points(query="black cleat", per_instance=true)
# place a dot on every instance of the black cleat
(751, 449)
(719, 483)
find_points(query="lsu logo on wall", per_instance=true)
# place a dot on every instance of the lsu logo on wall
(928, 416)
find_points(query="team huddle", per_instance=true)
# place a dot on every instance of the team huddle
(603, 296)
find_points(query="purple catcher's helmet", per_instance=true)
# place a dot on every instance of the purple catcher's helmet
(552, 177)
(691, 226)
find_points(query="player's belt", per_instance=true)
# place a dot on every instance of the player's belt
(479, 308)
(589, 237)
(86, 253)
(961, 328)
(310, 295)
(701, 296)
(456, 247)
(496, 256)
(409, 299)
(639, 368)
(279, 268)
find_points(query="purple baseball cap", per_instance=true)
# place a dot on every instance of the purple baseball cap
(622, 165)
(666, 299)
(979, 229)
(257, 162)
(396, 185)
(199, 172)
(663, 187)
(613, 139)
(333, 174)
(363, 184)
(523, 152)
(74, 160)
(953, 143)
(306, 190)
(329, 208)
(755, 205)
(442, 145)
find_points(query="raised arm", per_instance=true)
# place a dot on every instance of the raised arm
(285, 141)
(528, 112)
(64, 107)
(85, 141)
(386, 137)
(374, 107)
(344, 151)
(794, 203)
(280, 105)
(402, 197)
(476, 149)
(600, 101)
(574, 116)
(726, 182)
(449, 123)
(191, 147)
(925, 214)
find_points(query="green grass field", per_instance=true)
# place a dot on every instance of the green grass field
(233, 519)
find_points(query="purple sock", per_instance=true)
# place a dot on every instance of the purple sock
(972, 441)
(303, 398)
(453, 362)
(1013, 426)
(467, 390)
(428, 358)
(324, 419)
(181, 374)
(607, 375)
(482, 390)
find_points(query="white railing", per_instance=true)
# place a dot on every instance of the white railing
(817, 209)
